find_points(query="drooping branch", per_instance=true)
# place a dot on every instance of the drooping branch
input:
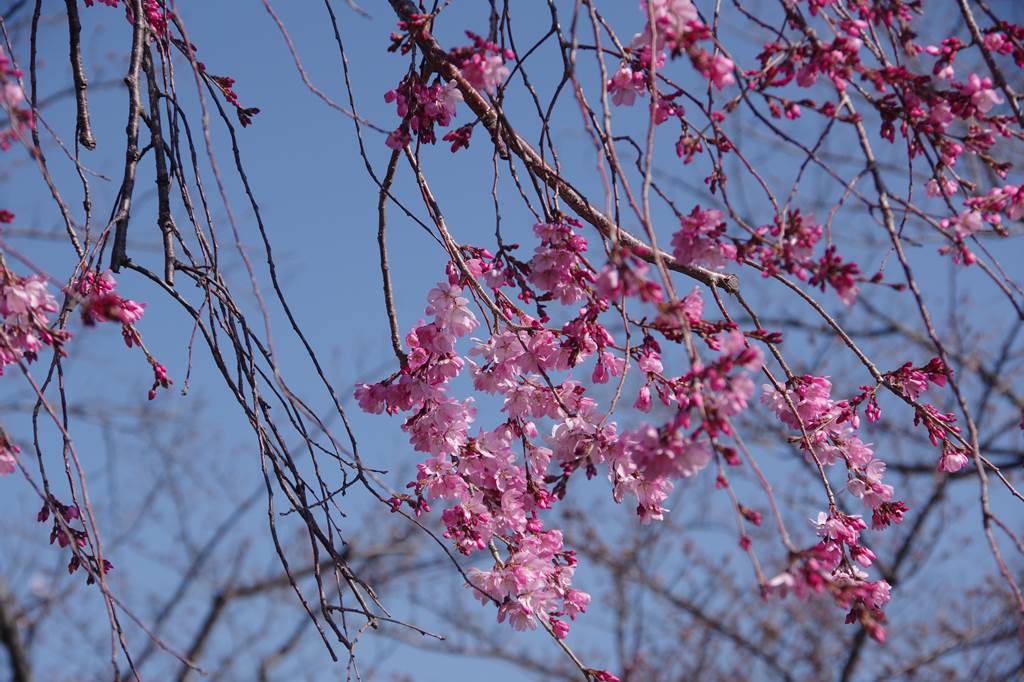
(504, 136)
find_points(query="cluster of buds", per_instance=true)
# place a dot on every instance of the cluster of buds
(66, 535)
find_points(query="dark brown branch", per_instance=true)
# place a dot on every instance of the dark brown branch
(119, 253)
(165, 220)
(82, 126)
(385, 269)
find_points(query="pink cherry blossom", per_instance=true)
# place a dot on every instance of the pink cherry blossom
(719, 71)
(11, 95)
(952, 460)
(485, 72)
(451, 309)
(983, 96)
(674, 20)
(943, 187)
(626, 85)
(556, 266)
(699, 242)
(483, 63)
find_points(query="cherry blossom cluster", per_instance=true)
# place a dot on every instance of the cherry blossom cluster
(699, 242)
(498, 496)
(675, 25)
(518, 363)
(828, 434)
(934, 113)
(922, 105)
(626, 274)
(482, 63)
(911, 382)
(676, 28)
(101, 303)
(1008, 199)
(26, 306)
(415, 28)
(226, 86)
(555, 337)
(494, 498)
(826, 567)
(557, 266)
(980, 213)
(787, 246)
(421, 107)
(65, 535)
(647, 460)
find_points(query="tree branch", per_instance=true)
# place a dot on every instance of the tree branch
(21, 670)
(504, 136)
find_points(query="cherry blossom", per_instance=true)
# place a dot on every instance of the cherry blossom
(421, 107)
(699, 240)
(625, 86)
(483, 64)
(982, 95)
